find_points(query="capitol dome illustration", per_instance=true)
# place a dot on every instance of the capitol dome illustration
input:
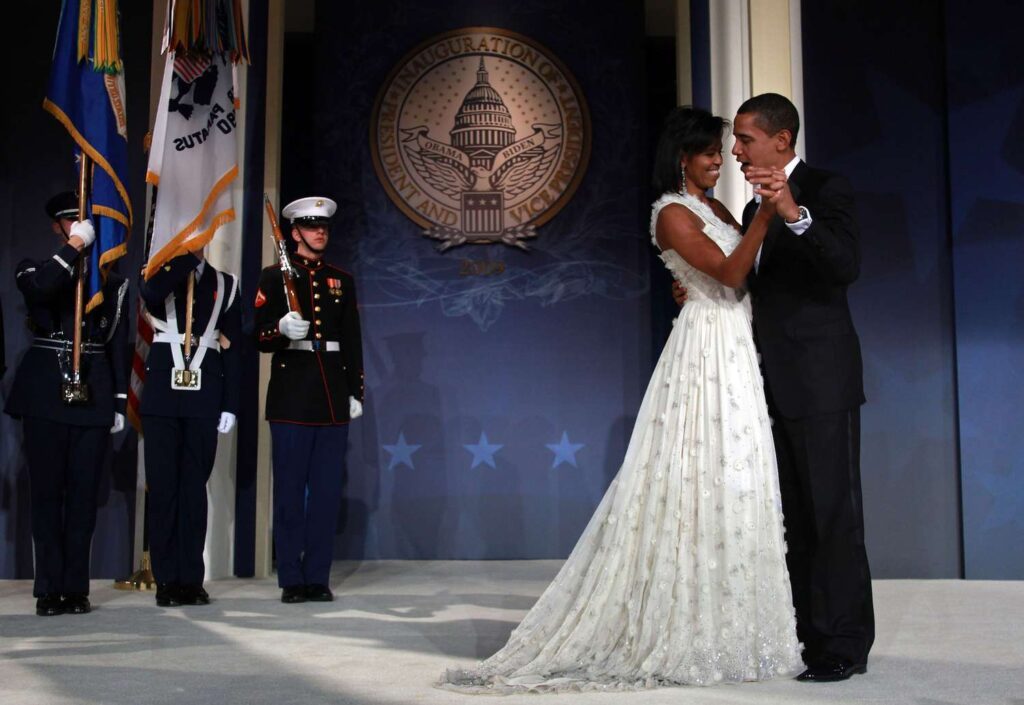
(483, 125)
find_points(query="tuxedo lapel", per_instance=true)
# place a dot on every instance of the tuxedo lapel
(769, 239)
(748, 213)
(796, 180)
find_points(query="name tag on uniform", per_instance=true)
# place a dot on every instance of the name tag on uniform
(187, 380)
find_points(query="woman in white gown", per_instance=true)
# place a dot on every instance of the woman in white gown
(680, 576)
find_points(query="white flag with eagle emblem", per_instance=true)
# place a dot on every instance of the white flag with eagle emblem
(193, 157)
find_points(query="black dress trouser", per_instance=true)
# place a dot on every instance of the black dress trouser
(179, 456)
(819, 479)
(64, 464)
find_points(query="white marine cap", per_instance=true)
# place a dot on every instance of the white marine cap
(314, 209)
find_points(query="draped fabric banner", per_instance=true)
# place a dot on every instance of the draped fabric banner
(86, 94)
(193, 157)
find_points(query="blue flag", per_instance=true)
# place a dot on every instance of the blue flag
(87, 96)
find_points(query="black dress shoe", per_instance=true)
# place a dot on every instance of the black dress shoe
(49, 605)
(168, 595)
(202, 597)
(293, 594)
(319, 593)
(193, 595)
(831, 670)
(76, 603)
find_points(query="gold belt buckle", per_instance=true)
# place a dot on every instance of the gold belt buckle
(73, 393)
(186, 380)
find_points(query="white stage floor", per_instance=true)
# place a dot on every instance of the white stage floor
(396, 624)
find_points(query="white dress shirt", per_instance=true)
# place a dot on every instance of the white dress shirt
(798, 227)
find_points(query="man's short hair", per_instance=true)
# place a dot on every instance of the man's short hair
(773, 112)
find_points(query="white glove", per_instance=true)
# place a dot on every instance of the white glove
(293, 326)
(226, 423)
(84, 231)
(118, 422)
(355, 408)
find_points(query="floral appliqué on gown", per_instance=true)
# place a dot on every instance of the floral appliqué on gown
(680, 575)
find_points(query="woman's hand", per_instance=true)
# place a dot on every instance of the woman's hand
(772, 186)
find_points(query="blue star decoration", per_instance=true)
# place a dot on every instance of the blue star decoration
(401, 453)
(483, 451)
(565, 452)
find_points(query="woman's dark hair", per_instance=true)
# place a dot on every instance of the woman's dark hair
(685, 132)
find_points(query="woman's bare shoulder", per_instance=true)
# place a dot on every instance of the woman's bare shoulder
(719, 209)
(676, 214)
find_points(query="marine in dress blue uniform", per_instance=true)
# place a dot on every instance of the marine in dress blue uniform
(66, 445)
(316, 388)
(182, 413)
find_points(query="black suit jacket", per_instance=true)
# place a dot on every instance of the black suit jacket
(220, 371)
(312, 387)
(809, 347)
(49, 291)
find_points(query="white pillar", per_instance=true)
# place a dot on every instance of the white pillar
(730, 86)
(755, 48)
(272, 185)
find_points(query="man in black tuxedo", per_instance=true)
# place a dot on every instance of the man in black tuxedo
(813, 382)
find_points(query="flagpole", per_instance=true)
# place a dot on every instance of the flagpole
(74, 391)
(190, 297)
(143, 578)
(83, 201)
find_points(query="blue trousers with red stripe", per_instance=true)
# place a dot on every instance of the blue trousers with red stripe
(309, 471)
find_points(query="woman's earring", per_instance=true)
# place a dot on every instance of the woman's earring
(682, 179)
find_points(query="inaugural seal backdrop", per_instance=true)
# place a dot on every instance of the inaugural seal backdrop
(480, 135)
(502, 378)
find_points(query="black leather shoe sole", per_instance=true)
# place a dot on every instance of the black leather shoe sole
(193, 595)
(319, 593)
(46, 608)
(77, 605)
(168, 596)
(293, 595)
(832, 673)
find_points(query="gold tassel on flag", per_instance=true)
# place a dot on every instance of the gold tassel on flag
(97, 20)
(207, 27)
(107, 51)
(84, 24)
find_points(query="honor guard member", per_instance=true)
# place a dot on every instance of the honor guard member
(66, 438)
(191, 395)
(316, 388)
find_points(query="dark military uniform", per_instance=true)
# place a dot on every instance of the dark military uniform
(66, 445)
(311, 381)
(180, 426)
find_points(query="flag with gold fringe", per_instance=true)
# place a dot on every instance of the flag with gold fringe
(86, 94)
(193, 157)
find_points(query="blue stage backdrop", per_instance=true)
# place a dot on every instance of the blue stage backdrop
(986, 196)
(928, 132)
(502, 384)
(878, 118)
